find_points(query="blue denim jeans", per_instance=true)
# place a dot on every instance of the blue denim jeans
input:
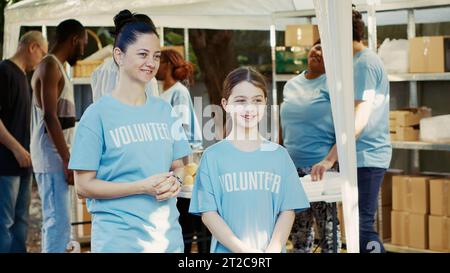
(54, 193)
(369, 183)
(15, 195)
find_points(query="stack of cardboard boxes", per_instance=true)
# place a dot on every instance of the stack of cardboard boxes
(410, 204)
(420, 212)
(404, 123)
(439, 219)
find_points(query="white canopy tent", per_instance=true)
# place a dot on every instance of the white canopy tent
(334, 25)
(209, 14)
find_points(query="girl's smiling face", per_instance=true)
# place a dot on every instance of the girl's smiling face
(246, 104)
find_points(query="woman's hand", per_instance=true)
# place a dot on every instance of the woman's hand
(168, 189)
(162, 186)
(320, 168)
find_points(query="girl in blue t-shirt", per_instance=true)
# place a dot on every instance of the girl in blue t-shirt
(247, 188)
(125, 145)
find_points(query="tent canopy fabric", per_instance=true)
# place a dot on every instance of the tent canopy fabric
(206, 14)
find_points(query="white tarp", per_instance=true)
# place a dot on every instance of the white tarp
(335, 27)
(211, 14)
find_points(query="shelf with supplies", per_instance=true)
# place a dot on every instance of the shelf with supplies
(406, 77)
(419, 77)
(418, 145)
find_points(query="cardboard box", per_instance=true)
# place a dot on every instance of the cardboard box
(408, 116)
(410, 193)
(429, 54)
(439, 233)
(409, 229)
(301, 35)
(404, 134)
(418, 230)
(399, 230)
(439, 197)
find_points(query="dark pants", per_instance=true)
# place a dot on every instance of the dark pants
(192, 225)
(369, 183)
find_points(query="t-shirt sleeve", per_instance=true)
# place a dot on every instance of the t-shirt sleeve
(365, 80)
(181, 147)
(88, 144)
(294, 196)
(203, 196)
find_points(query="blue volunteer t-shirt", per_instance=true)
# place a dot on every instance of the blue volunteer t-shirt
(124, 143)
(306, 120)
(247, 189)
(373, 147)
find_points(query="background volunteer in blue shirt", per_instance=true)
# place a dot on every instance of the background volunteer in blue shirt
(247, 188)
(308, 135)
(124, 147)
(173, 70)
(373, 145)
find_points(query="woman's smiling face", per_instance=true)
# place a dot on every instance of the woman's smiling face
(141, 59)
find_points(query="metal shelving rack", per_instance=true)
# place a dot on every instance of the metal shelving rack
(412, 78)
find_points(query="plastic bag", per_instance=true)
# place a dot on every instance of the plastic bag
(394, 54)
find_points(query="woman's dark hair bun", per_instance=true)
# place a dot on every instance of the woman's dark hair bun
(122, 18)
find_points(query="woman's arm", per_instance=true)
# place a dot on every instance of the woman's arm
(363, 110)
(222, 232)
(281, 231)
(160, 186)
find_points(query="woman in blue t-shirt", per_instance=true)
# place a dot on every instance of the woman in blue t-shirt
(125, 145)
(175, 73)
(308, 135)
(247, 188)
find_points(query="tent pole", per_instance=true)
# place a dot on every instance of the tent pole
(372, 25)
(44, 31)
(186, 44)
(274, 108)
(161, 36)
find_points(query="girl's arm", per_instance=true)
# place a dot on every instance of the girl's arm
(162, 186)
(281, 231)
(222, 232)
